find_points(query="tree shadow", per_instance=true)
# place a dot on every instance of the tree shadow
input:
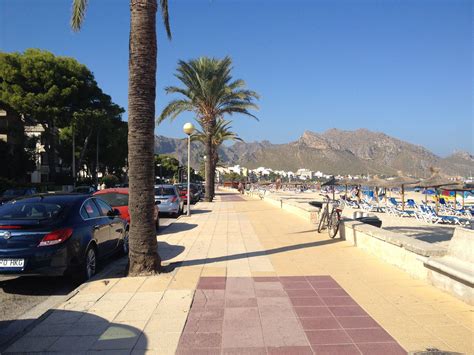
(169, 251)
(202, 261)
(57, 331)
(199, 211)
(178, 227)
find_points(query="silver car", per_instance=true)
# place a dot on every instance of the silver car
(170, 202)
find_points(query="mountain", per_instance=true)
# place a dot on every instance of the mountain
(334, 151)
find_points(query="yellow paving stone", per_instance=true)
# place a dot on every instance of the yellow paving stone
(162, 324)
(264, 273)
(99, 286)
(185, 278)
(128, 284)
(156, 283)
(213, 271)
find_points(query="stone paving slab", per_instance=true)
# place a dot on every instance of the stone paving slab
(306, 315)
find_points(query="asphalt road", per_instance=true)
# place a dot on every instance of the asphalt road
(19, 295)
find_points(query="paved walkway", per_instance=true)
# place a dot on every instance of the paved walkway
(248, 275)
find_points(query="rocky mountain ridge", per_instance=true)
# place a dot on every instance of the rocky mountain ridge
(335, 152)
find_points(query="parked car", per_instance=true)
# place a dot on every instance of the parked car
(197, 192)
(183, 193)
(118, 198)
(170, 201)
(85, 190)
(10, 194)
(58, 234)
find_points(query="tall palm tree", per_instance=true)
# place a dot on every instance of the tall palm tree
(222, 132)
(210, 93)
(143, 252)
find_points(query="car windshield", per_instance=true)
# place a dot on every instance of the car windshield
(164, 191)
(14, 192)
(114, 199)
(30, 210)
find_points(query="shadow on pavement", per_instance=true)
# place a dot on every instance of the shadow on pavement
(168, 251)
(177, 227)
(199, 211)
(66, 331)
(194, 262)
(427, 234)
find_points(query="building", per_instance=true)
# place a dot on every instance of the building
(304, 174)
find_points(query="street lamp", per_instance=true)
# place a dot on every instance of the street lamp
(188, 129)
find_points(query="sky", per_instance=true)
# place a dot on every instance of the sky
(402, 67)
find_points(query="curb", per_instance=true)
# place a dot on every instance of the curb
(18, 328)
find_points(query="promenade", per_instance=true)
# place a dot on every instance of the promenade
(246, 277)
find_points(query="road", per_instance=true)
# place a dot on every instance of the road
(19, 295)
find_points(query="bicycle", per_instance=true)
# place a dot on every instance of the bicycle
(330, 217)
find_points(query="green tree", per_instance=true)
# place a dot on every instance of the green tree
(210, 93)
(102, 123)
(48, 89)
(166, 166)
(143, 251)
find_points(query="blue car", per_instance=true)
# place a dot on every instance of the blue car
(58, 234)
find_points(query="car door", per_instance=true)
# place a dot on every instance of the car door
(99, 225)
(116, 225)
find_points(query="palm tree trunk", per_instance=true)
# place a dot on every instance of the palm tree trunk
(144, 258)
(209, 166)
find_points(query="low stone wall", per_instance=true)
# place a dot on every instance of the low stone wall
(397, 249)
(454, 272)
(297, 206)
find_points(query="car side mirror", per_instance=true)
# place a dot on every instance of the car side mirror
(157, 202)
(113, 213)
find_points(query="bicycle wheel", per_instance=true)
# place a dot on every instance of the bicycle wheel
(333, 223)
(323, 220)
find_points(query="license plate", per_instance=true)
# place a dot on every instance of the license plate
(12, 262)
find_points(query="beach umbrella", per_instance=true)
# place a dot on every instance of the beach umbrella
(435, 181)
(376, 182)
(459, 187)
(331, 182)
(351, 182)
(400, 181)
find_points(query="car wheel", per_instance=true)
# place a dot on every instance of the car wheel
(90, 264)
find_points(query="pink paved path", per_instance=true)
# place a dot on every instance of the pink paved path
(280, 315)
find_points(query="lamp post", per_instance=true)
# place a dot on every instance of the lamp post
(188, 129)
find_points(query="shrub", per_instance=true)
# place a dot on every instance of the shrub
(110, 180)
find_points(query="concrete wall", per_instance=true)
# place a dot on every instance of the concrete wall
(396, 249)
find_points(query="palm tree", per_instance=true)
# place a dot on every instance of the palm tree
(143, 252)
(210, 93)
(221, 133)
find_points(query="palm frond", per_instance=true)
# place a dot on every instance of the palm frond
(166, 17)
(78, 13)
(173, 109)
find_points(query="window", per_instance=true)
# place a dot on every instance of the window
(114, 199)
(89, 210)
(24, 209)
(104, 207)
(165, 191)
